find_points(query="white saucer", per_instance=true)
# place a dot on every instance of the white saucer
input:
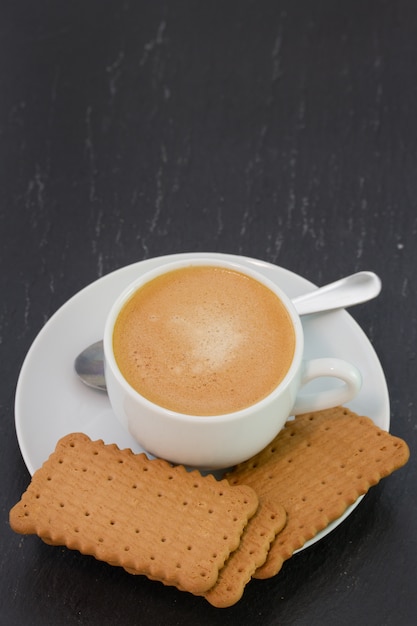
(52, 402)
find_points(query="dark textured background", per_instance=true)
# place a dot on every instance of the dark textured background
(285, 131)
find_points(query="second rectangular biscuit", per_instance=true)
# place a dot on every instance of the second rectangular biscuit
(317, 466)
(252, 552)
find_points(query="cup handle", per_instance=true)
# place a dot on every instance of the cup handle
(329, 367)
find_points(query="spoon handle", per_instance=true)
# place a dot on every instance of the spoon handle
(345, 292)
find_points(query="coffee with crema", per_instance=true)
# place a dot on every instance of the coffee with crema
(204, 340)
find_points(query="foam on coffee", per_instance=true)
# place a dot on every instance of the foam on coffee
(204, 340)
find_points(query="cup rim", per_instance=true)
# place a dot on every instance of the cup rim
(201, 260)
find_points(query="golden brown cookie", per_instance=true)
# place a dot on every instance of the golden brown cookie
(252, 552)
(144, 515)
(317, 466)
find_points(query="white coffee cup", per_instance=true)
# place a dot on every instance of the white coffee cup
(219, 441)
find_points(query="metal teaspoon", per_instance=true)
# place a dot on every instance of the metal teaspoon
(354, 289)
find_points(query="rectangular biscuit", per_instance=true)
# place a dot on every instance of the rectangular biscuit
(317, 466)
(252, 552)
(144, 515)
